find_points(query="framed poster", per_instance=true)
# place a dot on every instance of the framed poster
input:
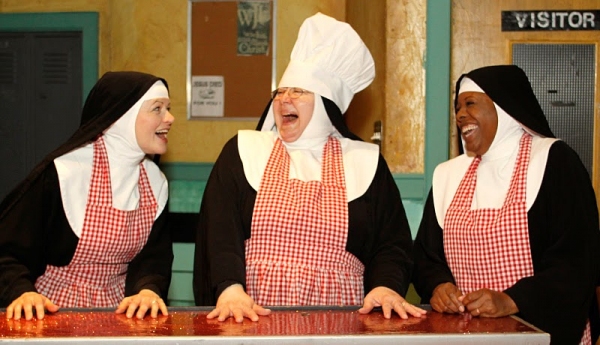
(231, 58)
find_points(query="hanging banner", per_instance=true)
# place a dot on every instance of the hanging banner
(254, 27)
(565, 20)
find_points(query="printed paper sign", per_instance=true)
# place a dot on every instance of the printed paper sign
(207, 96)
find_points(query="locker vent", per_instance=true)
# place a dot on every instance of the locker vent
(8, 70)
(56, 68)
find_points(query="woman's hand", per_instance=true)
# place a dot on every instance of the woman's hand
(234, 301)
(489, 303)
(26, 302)
(446, 299)
(142, 302)
(389, 300)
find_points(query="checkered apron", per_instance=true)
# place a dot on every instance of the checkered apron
(109, 240)
(296, 254)
(489, 248)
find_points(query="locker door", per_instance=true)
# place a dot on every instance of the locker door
(40, 98)
(562, 77)
(58, 79)
(14, 110)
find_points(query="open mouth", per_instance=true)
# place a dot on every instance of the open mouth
(468, 129)
(288, 118)
(162, 133)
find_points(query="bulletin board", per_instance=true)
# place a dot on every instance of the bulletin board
(230, 58)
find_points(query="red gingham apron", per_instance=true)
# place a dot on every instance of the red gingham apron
(489, 248)
(109, 240)
(296, 254)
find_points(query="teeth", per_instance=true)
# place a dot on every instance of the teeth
(165, 131)
(468, 128)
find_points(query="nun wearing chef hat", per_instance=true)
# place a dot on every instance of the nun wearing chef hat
(301, 211)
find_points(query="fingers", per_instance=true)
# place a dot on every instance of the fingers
(447, 299)
(28, 304)
(122, 306)
(447, 305)
(404, 309)
(238, 313)
(260, 310)
(224, 314)
(235, 302)
(39, 310)
(160, 305)
(142, 309)
(390, 302)
(490, 303)
(51, 307)
(140, 304)
(16, 311)
(131, 308)
(367, 307)
(398, 306)
(413, 310)
(154, 307)
(477, 309)
(454, 304)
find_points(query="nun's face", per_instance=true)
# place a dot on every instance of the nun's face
(477, 121)
(152, 124)
(292, 112)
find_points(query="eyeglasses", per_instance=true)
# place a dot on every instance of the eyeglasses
(293, 92)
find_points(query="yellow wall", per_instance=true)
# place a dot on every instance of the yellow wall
(151, 36)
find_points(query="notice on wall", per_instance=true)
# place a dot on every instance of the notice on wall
(207, 96)
(254, 27)
(565, 20)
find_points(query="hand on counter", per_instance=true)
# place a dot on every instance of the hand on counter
(389, 301)
(445, 299)
(26, 303)
(142, 302)
(235, 302)
(489, 303)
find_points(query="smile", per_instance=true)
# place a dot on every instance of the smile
(468, 129)
(162, 133)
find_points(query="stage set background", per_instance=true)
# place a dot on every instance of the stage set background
(419, 47)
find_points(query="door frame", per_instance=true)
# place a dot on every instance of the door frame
(86, 22)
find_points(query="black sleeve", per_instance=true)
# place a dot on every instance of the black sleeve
(223, 226)
(151, 268)
(382, 233)
(33, 234)
(431, 268)
(563, 228)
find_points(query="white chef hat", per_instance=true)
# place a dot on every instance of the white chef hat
(330, 59)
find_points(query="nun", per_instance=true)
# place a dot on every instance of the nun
(510, 227)
(301, 211)
(87, 228)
